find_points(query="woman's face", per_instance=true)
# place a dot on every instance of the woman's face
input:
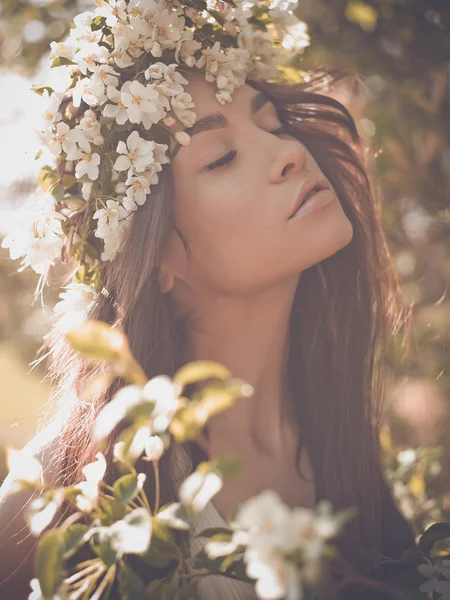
(236, 217)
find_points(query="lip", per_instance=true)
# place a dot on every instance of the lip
(308, 185)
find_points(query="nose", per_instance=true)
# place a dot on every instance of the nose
(290, 160)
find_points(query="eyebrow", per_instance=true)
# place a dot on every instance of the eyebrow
(219, 120)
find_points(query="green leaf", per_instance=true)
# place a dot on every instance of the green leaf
(199, 370)
(161, 532)
(60, 61)
(73, 536)
(131, 586)
(57, 191)
(212, 531)
(98, 340)
(90, 250)
(87, 274)
(433, 534)
(40, 89)
(363, 14)
(105, 552)
(189, 591)
(160, 559)
(441, 548)
(74, 202)
(68, 181)
(98, 23)
(126, 488)
(49, 562)
(229, 466)
(163, 548)
(112, 509)
(217, 15)
(154, 589)
(46, 177)
(413, 556)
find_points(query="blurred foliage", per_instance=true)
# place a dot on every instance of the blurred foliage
(400, 98)
(410, 471)
(28, 26)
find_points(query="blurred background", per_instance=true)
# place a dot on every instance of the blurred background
(399, 51)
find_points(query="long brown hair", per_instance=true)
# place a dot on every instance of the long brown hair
(345, 312)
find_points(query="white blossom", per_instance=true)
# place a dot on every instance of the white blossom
(181, 105)
(93, 473)
(125, 43)
(131, 535)
(117, 110)
(37, 236)
(154, 448)
(182, 138)
(51, 113)
(89, 54)
(88, 161)
(186, 47)
(168, 516)
(90, 128)
(108, 218)
(24, 468)
(40, 512)
(169, 27)
(161, 396)
(432, 571)
(137, 190)
(276, 578)
(136, 153)
(105, 74)
(90, 91)
(116, 409)
(61, 49)
(198, 489)
(86, 189)
(164, 393)
(113, 11)
(139, 100)
(74, 306)
(82, 32)
(36, 592)
(63, 139)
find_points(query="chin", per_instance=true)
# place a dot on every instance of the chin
(326, 237)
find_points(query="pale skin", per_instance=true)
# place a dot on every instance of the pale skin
(239, 282)
(238, 286)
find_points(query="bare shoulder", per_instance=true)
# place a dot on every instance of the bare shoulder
(16, 542)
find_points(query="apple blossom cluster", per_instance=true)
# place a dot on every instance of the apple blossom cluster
(282, 549)
(123, 62)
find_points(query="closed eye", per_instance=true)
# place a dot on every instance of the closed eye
(229, 157)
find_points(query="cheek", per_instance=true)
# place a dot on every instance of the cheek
(230, 233)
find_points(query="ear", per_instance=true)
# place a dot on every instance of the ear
(166, 280)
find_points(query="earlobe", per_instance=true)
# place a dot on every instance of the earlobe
(166, 281)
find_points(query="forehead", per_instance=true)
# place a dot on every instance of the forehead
(203, 95)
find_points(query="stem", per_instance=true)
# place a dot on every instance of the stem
(156, 470)
(71, 520)
(106, 580)
(87, 584)
(83, 572)
(88, 562)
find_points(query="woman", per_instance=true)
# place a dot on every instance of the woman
(301, 307)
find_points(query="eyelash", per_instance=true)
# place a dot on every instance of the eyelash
(229, 157)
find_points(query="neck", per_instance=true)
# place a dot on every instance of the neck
(250, 336)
